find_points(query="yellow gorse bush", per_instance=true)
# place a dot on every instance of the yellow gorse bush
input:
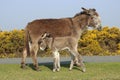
(105, 42)
(92, 42)
(11, 42)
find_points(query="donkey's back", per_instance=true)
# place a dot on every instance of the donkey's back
(57, 27)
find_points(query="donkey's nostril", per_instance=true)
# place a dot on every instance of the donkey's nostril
(99, 28)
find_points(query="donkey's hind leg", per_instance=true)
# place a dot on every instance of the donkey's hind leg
(34, 52)
(24, 55)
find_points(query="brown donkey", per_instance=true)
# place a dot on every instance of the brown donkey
(72, 27)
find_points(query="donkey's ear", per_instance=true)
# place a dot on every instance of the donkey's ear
(84, 9)
(94, 9)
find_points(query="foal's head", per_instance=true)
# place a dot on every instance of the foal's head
(45, 41)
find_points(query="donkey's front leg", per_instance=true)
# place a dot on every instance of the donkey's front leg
(56, 64)
(80, 63)
(72, 62)
(77, 59)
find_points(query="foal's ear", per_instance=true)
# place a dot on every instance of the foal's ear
(48, 35)
(45, 35)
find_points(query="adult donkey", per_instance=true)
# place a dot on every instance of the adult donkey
(63, 27)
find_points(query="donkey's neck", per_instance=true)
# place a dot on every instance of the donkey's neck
(80, 25)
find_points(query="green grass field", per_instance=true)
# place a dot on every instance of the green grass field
(95, 71)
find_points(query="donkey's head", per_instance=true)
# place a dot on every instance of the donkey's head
(91, 18)
(45, 41)
(94, 18)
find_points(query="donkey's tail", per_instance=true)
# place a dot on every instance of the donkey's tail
(27, 41)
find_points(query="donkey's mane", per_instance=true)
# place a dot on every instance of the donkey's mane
(80, 13)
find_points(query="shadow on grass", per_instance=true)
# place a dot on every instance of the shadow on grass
(49, 65)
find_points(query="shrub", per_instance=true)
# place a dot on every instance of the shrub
(92, 42)
(11, 42)
(105, 42)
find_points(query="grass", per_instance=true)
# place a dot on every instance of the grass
(95, 71)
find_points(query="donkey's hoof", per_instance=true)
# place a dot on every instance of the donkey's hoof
(23, 66)
(37, 69)
(83, 70)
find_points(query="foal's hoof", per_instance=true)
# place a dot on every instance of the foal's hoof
(57, 70)
(54, 70)
(70, 69)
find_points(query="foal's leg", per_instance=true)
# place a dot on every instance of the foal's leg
(34, 56)
(24, 55)
(56, 64)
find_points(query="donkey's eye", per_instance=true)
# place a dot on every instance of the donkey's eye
(39, 42)
(92, 17)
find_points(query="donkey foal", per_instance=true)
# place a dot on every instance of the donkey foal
(60, 43)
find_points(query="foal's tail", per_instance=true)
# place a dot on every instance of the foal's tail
(27, 41)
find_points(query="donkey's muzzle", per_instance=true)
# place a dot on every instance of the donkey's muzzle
(99, 28)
